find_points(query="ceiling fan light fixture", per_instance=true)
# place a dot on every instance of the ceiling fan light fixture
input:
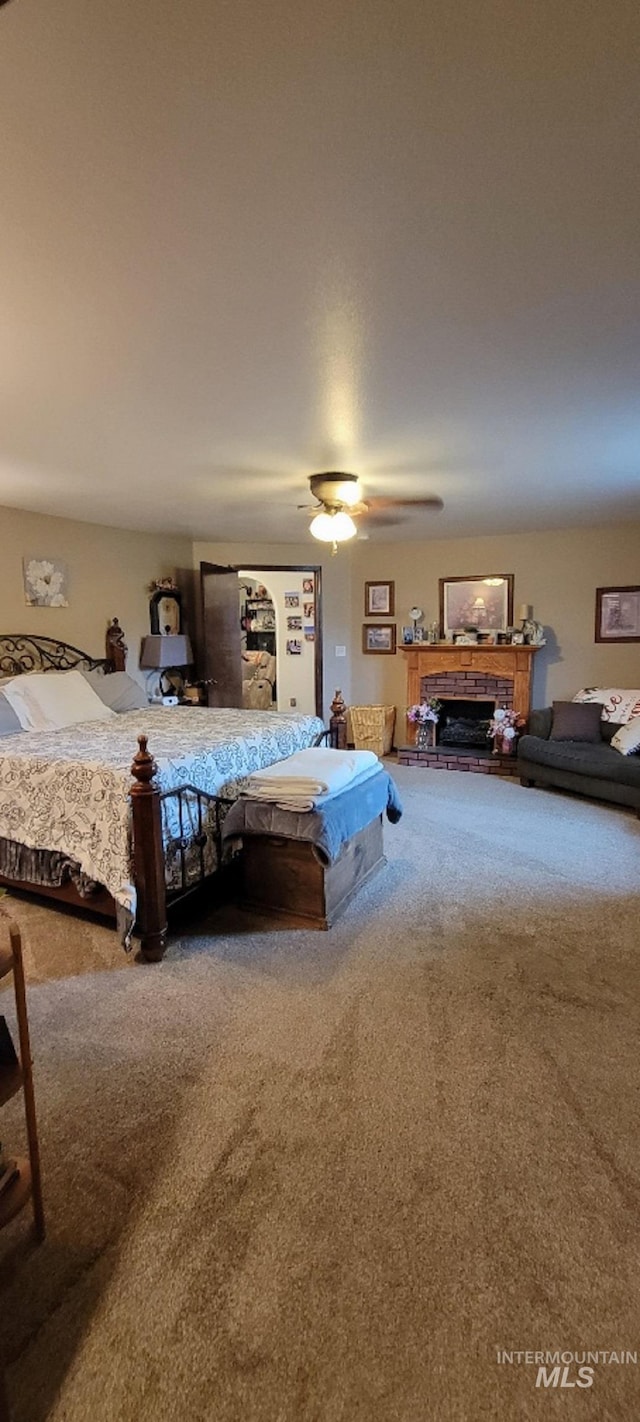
(333, 527)
(350, 494)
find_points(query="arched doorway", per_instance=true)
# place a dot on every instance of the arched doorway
(258, 645)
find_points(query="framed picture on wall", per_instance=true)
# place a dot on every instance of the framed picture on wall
(379, 599)
(380, 639)
(45, 582)
(483, 602)
(618, 614)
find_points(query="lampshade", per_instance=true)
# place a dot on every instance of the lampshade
(169, 651)
(525, 613)
(333, 528)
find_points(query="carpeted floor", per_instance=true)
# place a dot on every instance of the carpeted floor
(307, 1177)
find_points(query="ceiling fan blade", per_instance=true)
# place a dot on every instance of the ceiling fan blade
(376, 504)
(384, 520)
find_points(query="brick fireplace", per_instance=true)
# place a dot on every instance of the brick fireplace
(466, 678)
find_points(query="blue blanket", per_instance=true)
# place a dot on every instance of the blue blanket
(335, 819)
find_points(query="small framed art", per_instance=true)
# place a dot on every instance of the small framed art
(379, 599)
(380, 639)
(45, 582)
(618, 614)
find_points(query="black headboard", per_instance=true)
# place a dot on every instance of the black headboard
(22, 652)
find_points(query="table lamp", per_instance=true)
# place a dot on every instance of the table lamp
(164, 654)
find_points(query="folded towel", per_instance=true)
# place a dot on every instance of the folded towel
(302, 805)
(308, 774)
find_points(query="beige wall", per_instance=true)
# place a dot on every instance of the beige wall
(336, 593)
(109, 573)
(557, 572)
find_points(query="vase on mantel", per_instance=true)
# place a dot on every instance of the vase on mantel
(426, 736)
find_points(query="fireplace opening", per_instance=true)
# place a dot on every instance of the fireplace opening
(464, 723)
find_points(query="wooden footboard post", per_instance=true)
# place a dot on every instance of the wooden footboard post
(148, 856)
(338, 723)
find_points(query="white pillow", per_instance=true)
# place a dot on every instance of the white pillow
(49, 701)
(9, 723)
(117, 690)
(627, 739)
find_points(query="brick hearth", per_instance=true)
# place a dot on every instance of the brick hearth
(447, 758)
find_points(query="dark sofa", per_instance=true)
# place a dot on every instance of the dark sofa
(595, 769)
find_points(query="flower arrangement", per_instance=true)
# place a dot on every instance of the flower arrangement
(504, 724)
(163, 585)
(426, 711)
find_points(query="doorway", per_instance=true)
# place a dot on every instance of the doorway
(295, 593)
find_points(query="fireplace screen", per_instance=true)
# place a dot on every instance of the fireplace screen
(464, 723)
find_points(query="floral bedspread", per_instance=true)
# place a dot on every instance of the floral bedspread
(69, 790)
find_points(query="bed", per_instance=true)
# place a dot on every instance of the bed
(76, 827)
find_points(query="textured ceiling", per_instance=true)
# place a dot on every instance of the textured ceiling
(242, 242)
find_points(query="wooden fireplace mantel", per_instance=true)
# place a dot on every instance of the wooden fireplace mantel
(512, 663)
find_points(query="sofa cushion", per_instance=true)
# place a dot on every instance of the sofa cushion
(540, 722)
(575, 721)
(627, 738)
(600, 762)
(608, 730)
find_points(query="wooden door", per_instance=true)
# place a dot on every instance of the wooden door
(221, 632)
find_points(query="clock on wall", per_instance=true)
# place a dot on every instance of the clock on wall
(165, 610)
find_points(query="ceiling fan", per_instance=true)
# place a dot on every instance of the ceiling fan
(339, 502)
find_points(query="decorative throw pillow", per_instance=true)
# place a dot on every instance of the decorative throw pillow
(576, 721)
(627, 739)
(117, 690)
(49, 701)
(9, 723)
(618, 703)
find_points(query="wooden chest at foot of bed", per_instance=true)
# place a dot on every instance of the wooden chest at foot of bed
(285, 876)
